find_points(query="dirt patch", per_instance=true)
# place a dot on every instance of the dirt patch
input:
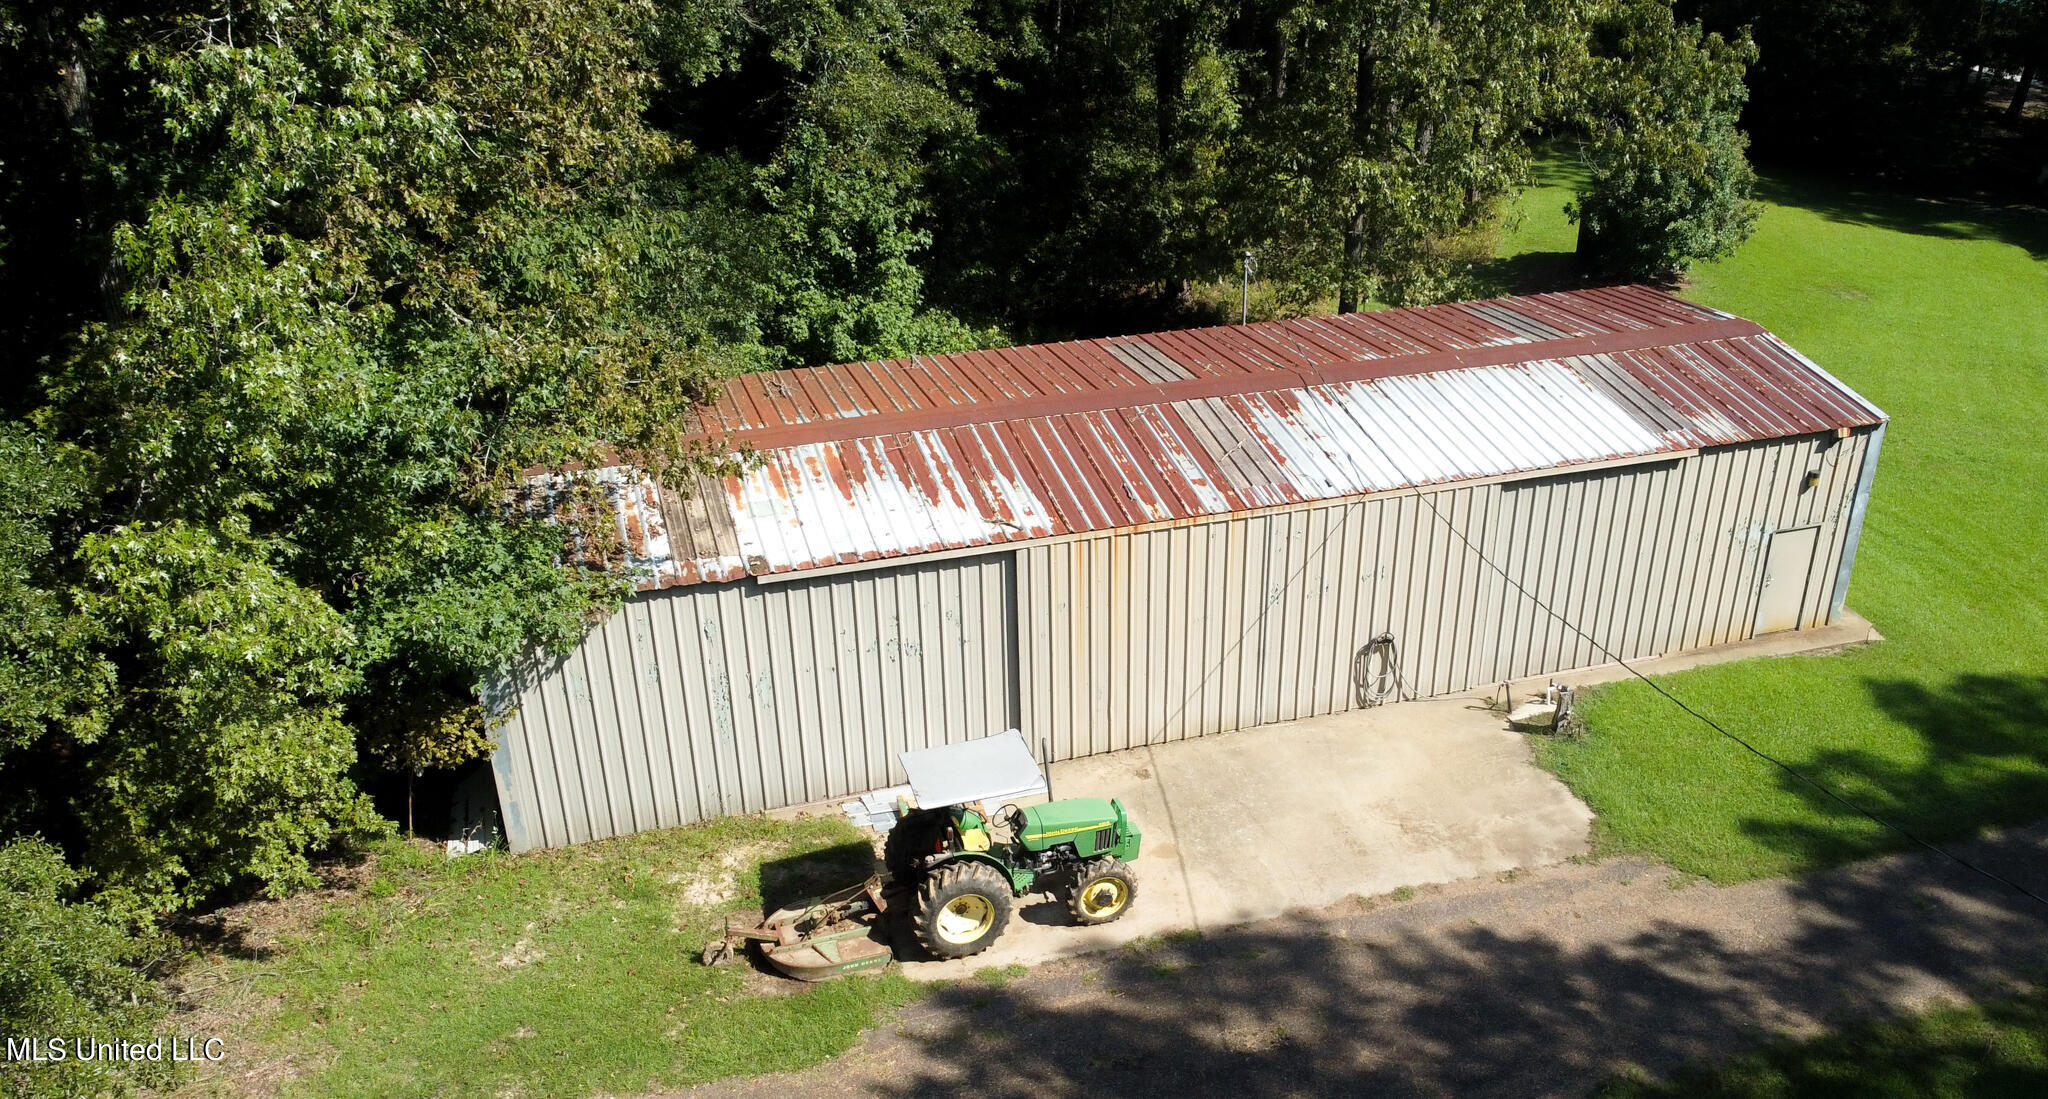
(252, 929)
(522, 953)
(715, 881)
(216, 998)
(213, 995)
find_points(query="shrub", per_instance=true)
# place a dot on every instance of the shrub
(70, 969)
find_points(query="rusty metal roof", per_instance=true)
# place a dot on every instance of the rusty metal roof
(867, 461)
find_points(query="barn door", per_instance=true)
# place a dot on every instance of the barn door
(1788, 565)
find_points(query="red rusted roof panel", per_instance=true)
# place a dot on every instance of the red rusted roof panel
(869, 461)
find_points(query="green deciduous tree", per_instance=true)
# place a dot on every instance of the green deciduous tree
(816, 119)
(1670, 182)
(52, 679)
(227, 757)
(56, 683)
(1096, 179)
(1907, 90)
(2019, 41)
(367, 280)
(1398, 126)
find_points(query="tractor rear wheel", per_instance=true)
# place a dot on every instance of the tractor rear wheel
(914, 837)
(962, 909)
(1103, 890)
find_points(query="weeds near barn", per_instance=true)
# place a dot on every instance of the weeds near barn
(1937, 312)
(561, 972)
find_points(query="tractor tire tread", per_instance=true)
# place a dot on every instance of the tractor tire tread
(1095, 869)
(904, 848)
(948, 881)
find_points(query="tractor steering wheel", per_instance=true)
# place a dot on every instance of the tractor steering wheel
(1012, 818)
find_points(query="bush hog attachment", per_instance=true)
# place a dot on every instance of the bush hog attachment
(817, 940)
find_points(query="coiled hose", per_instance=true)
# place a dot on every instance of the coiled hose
(1376, 672)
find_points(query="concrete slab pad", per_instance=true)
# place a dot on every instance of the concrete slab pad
(1248, 825)
(1851, 631)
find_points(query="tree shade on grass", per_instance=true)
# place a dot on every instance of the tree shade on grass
(1984, 1052)
(565, 972)
(1937, 312)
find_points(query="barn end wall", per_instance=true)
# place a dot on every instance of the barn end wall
(701, 701)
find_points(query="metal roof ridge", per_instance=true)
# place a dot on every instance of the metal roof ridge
(1279, 379)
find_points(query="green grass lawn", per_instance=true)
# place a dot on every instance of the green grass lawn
(1939, 314)
(567, 972)
(1997, 1050)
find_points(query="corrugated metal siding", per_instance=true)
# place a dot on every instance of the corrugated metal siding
(1147, 636)
(733, 698)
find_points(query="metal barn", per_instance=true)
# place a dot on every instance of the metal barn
(1118, 542)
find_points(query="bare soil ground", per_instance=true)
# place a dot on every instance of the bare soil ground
(1540, 982)
(213, 997)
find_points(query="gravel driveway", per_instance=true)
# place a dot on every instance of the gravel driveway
(1544, 984)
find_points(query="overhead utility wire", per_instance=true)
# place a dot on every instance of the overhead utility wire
(1681, 704)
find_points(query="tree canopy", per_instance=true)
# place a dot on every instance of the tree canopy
(1671, 183)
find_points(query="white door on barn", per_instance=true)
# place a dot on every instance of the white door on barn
(1788, 566)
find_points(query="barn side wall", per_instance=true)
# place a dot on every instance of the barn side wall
(703, 701)
(1144, 637)
(696, 702)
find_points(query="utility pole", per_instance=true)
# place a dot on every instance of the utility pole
(1244, 308)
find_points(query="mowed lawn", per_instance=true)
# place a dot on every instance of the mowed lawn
(1996, 1051)
(566, 972)
(1939, 314)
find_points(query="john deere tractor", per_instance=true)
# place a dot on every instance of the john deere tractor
(967, 866)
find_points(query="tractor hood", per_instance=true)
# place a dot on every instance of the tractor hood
(1056, 819)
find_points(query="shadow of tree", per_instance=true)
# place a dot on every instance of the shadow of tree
(1832, 198)
(1982, 762)
(1947, 1053)
(1899, 212)
(1422, 1000)
(1527, 273)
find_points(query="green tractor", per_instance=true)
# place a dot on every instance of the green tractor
(967, 865)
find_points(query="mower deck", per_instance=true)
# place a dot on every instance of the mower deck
(817, 940)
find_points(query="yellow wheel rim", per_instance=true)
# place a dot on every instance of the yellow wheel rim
(1105, 897)
(966, 918)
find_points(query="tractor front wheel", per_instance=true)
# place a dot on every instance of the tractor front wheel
(962, 909)
(1103, 890)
